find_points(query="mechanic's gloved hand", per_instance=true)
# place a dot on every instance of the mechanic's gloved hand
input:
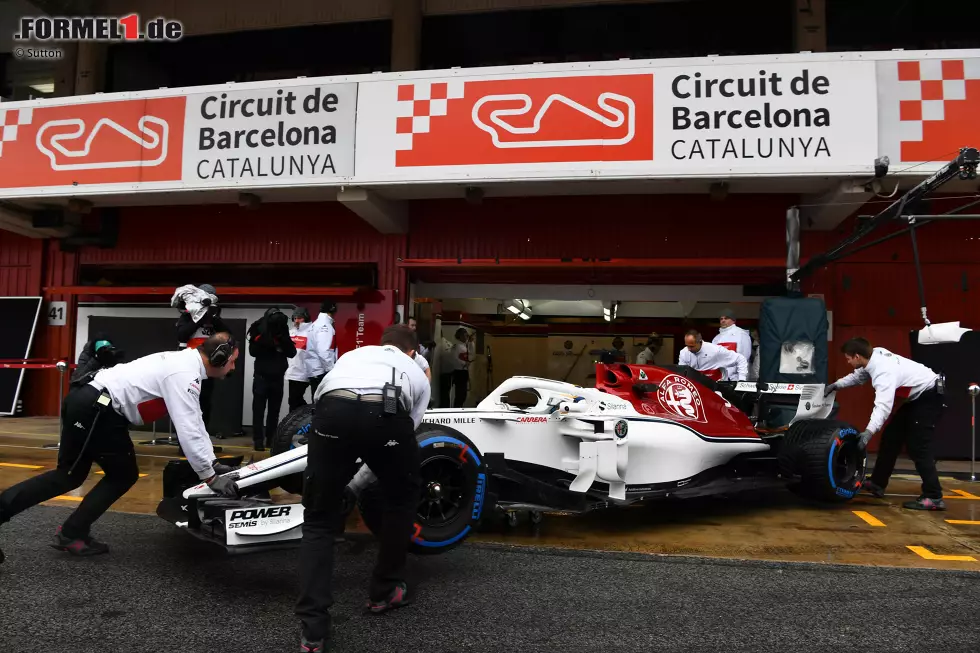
(830, 387)
(863, 439)
(224, 485)
(220, 469)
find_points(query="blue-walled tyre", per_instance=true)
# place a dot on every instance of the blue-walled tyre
(454, 492)
(822, 459)
(292, 432)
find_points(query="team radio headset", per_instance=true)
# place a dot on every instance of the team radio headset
(217, 358)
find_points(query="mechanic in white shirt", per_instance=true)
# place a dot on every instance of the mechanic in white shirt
(96, 421)
(323, 344)
(913, 424)
(706, 357)
(733, 337)
(455, 371)
(297, 373)
(353, 421)
(649, 354)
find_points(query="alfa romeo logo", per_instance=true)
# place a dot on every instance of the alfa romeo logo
(621, 428)
(680, 397)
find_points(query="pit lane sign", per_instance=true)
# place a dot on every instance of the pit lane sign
(630, 120)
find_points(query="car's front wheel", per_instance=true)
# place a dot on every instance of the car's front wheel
(293, 431)
(823, 460)
(453, 496)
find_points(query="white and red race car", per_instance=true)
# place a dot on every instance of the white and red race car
(641, 434)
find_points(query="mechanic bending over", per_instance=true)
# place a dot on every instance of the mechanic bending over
(323, 345)
(297, 372)
(96, 421)
(271, 346)
(655, 343)
(733, 337)
(913, 424)
(705, 356)
(367, 407)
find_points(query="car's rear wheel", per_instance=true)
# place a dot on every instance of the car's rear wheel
(453, 496)
(823, 460)
(292, 432)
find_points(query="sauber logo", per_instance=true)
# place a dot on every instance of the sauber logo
(532, 419)
(537, 120)
(680, 396)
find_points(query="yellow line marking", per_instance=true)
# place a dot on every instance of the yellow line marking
(963, 494)
(68, 498)
(21, 466)
(869, 518)
(963, 521)
(923, 552)
(101, 473)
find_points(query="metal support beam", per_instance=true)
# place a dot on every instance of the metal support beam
(823, 212)
(386, 216)
(19, 221)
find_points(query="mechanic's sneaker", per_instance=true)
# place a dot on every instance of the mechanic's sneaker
(869, 487)
(397, 599)
(307, 646)
(925, 503)
(86, 546)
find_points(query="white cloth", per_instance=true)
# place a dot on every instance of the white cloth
(193, 300)
(645, 357)
(891, 375)
(148, 388)
(365, 370)
(323, 349)
(298, 368)
(715, 357)
(738, 337)
(420, 360)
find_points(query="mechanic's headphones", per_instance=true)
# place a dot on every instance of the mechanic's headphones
(222, 353)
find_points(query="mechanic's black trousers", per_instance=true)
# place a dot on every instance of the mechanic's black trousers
(110, 446)
(266, 395)
(913, 425)
(343, 431)
(297, 390)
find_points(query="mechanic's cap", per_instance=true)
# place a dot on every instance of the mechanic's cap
(208, 288)
(728, 312)
(99, 344)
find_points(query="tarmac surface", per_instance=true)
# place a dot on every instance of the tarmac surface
(160, 590)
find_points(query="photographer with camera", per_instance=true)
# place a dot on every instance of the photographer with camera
(98, 353)
(95, 429)
(269, 342)
(200, 318)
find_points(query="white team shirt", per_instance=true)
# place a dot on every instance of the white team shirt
(298, 368)
(645, 357)
(323, 348)
(420, 360)
(715, 357)
(737, 338)
(365, 370)
(148, 388)
(891, 375)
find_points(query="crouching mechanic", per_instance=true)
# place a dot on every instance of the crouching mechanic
(913, 423)
(367, 407)
(707, 357)
(97, 417)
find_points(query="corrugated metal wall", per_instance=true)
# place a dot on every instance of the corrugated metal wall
(324, 232)
(20, 265)
(596, 226)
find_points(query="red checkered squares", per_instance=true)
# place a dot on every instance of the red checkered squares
(929, 84)
(420, 102)
(10, 120)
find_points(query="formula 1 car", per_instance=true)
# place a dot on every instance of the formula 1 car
(643, 433)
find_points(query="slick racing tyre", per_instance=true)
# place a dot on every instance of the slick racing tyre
(292, 432)
(823, 459)
(453, 497)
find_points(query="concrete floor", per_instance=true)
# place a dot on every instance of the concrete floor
(774, 526)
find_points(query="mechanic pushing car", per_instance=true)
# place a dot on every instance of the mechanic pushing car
(913, 424)
(323, 349)
(96, 421)
(297, 372)
(707, 357)
(368, 407)
(270, 344)
(734, 337)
